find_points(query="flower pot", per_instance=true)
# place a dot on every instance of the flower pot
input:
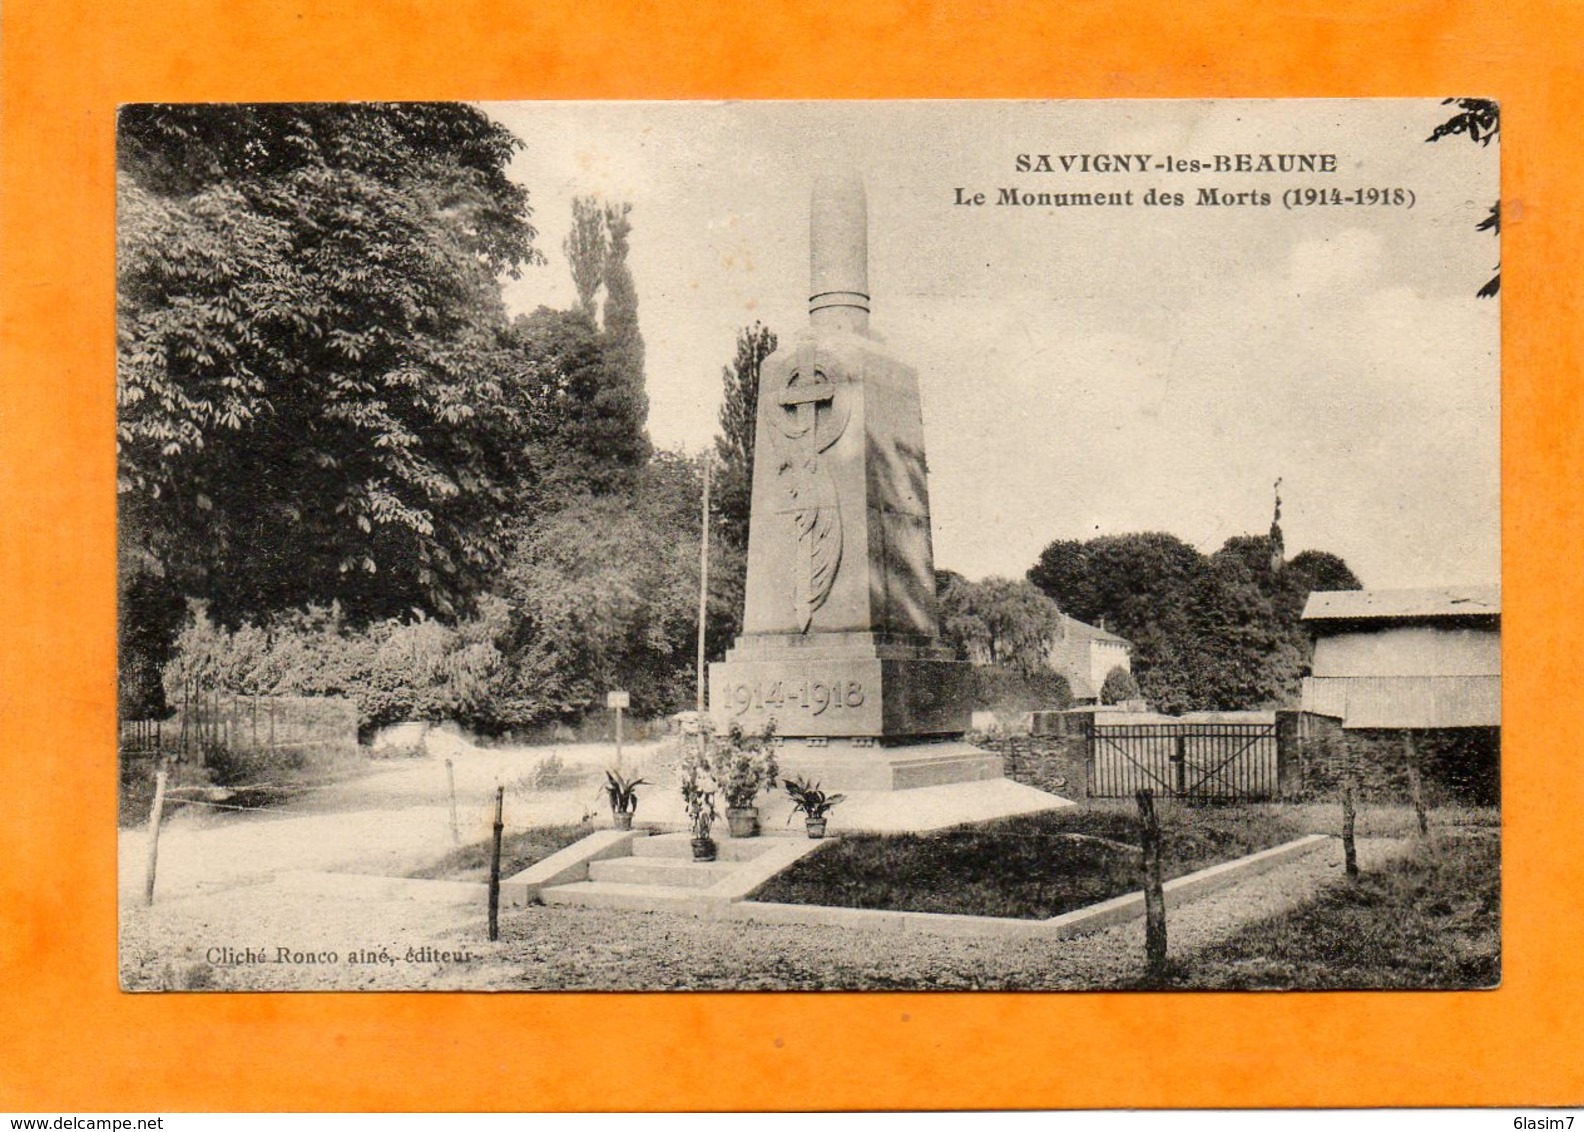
(816, 827)
(623, 818)
(703, 849)
(744, 821)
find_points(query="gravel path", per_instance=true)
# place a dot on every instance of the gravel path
(432, 937)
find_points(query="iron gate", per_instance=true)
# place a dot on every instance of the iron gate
(1186, 760)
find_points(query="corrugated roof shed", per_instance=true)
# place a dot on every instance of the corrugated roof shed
(1415, 604)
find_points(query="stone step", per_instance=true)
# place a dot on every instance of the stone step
(682, 872)
(681, 845)
(637, 897)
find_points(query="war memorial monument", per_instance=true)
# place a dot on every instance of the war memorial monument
(841, 644)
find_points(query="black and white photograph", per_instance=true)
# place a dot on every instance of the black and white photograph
(809, 546)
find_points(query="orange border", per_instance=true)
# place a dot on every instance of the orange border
(70, 1041)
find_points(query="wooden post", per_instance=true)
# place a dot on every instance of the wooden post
(456, 834)
(1179, 764)
(703, 608)
(155, 815)
(1084, 734)
(494, 883)
(1349, 813)
(186, 713)
(1415, 783)
(1154, 893)
(1289, 772)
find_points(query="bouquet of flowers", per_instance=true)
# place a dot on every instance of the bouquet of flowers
(699, 786)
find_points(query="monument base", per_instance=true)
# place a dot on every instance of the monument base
(842, 765)
(842, 685)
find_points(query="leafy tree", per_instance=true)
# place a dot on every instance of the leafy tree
(1315, 570)
(1480, 120)
(1216, 632)
(999, 622)
(584, 430)
(586, 248)
(313, 399)
(1118, 687)
(1252, 646)
(739, 415)
(606, 589)
(623, 343)
(148, 614)
(1133, 581)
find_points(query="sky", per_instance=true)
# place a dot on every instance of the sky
(1090, 370)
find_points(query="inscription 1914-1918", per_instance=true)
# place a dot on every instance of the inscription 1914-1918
(815, 697)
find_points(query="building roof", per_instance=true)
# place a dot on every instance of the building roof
(1071, 626)
(1418, 604)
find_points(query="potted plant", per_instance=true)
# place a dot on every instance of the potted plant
(623, 795)
(744, 765)
(812, 802)
(698, 795)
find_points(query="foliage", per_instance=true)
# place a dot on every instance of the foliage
(1217, 632)
(809, 799)
(585, 430)
(549, 773)
(313, 400)
(998, 622)
(742, 764)
(1119, 687)
(393, 670)
(623, 343)
(606, 593)
(699, 785)
(1316, 570)
(739, 415)
(622, 792)
(586, 247)
(148, 616)
(602, 593)
(1430, 919)
(1480, 119)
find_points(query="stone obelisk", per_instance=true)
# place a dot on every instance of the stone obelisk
(841, 639)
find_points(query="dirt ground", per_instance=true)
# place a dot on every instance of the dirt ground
(306, 896)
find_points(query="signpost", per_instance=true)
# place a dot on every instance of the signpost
(618, 701)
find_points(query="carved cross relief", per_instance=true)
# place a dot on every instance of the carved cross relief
(809, 413)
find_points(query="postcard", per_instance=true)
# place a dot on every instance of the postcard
(809, 546)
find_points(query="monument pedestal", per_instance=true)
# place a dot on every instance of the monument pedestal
(855, 711)
(842, 685)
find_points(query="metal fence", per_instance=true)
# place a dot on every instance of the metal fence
(1187, 760)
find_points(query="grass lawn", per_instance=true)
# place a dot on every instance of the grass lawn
(519, 849)
(1428, 920)
(1030, 867)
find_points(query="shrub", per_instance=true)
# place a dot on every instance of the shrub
(1119, 687)
(744, 764)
